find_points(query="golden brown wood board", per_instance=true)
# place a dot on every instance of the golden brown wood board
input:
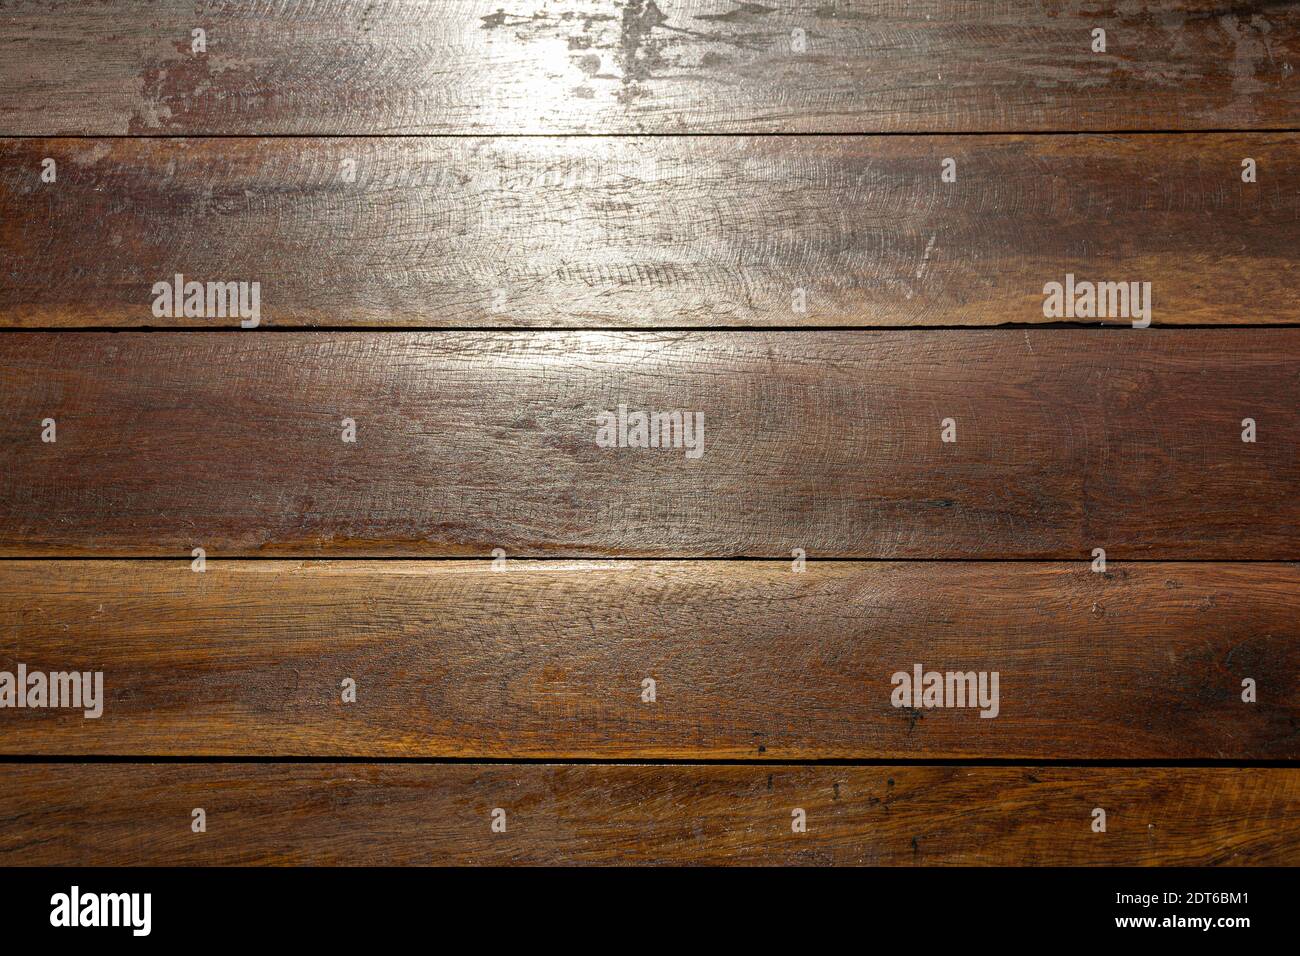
(1065, 441)
(748, 659)
(648, 232)
(351, 814)
(662, 66)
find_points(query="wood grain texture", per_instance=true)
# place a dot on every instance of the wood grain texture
(1067, 440)
(649, 232)
(433, 66)
(440, 814)
(750, 660)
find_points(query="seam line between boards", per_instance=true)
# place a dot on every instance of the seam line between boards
(639, 330)
(760, 762)
(703, 134)
(630, 559)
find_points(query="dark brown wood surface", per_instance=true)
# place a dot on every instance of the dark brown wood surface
(340, 814)
(750, 660)
(649, 232)
(475, 226)
(1067, 440)
(416, 66)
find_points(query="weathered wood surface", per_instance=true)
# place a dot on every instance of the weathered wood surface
(441, 814)
(649, 232)
(1066, 441)
(548, 66)
(749, 659)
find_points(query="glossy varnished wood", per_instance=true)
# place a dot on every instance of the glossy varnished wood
(441, 814)
(433, 66)
(649, 232)
(828, 441)
(1067, 440)
(749, 659)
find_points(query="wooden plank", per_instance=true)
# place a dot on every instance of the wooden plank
(649, 232)
(331, 814)
(409, 66)
(749, 660)
(1066, 441)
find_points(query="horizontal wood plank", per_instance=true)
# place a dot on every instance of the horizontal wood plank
(1065, 441)
(359, 814)
(582, 66)
(654, 232)
(748, 659)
